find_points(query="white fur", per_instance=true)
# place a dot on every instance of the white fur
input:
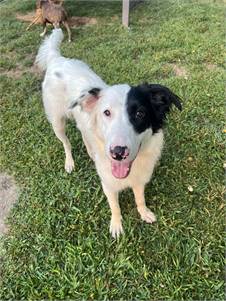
(65, 81)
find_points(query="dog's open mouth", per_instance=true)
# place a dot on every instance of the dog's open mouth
(120, 169)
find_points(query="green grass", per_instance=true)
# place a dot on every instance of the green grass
(59, 246)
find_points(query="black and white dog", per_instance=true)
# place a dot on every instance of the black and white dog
(121, 125)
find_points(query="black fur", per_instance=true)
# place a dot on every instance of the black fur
(147, 106)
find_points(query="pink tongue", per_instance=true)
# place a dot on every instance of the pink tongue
(120, 170)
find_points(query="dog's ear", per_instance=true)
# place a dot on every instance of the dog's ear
(87, 100)
(162, 98)
(91, 99)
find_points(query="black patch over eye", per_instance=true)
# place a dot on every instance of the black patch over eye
(140, 115)
(107, 113)
(138, 110)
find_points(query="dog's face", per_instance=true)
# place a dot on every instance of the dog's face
(124, 115)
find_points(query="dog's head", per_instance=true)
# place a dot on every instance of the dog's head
(124, 115)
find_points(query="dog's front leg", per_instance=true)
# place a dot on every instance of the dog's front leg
(116, 218)
(146, 214)
(59, 130)
(68, 30)
(33, 22)
(44, 30)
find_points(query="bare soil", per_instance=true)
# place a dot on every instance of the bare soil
(73, 21)
(179, 71)
(8, 196)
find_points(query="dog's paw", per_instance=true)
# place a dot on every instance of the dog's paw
(116, 227)
(69, 165)
(147, 215)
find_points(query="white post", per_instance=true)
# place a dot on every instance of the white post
(125, 12)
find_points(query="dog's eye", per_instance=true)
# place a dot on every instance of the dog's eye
(140, 114)
(107, 113)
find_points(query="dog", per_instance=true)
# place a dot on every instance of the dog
(53, 12)
(121, 125)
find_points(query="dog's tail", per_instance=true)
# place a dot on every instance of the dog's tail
(49, 49)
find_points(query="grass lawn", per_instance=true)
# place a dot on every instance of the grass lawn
(59, 246)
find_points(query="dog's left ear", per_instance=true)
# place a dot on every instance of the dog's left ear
(162, 98)
(87, 100)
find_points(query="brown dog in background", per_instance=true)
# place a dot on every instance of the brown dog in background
(53, 12)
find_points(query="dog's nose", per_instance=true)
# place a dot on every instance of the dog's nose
(119, 153)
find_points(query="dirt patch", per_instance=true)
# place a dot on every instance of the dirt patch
(8, 196)
(28, 17)
(78, 21)
(211, 66)
(14, 73)
(18, 72)
(73, 21)
(179, 71)
(115, 18)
